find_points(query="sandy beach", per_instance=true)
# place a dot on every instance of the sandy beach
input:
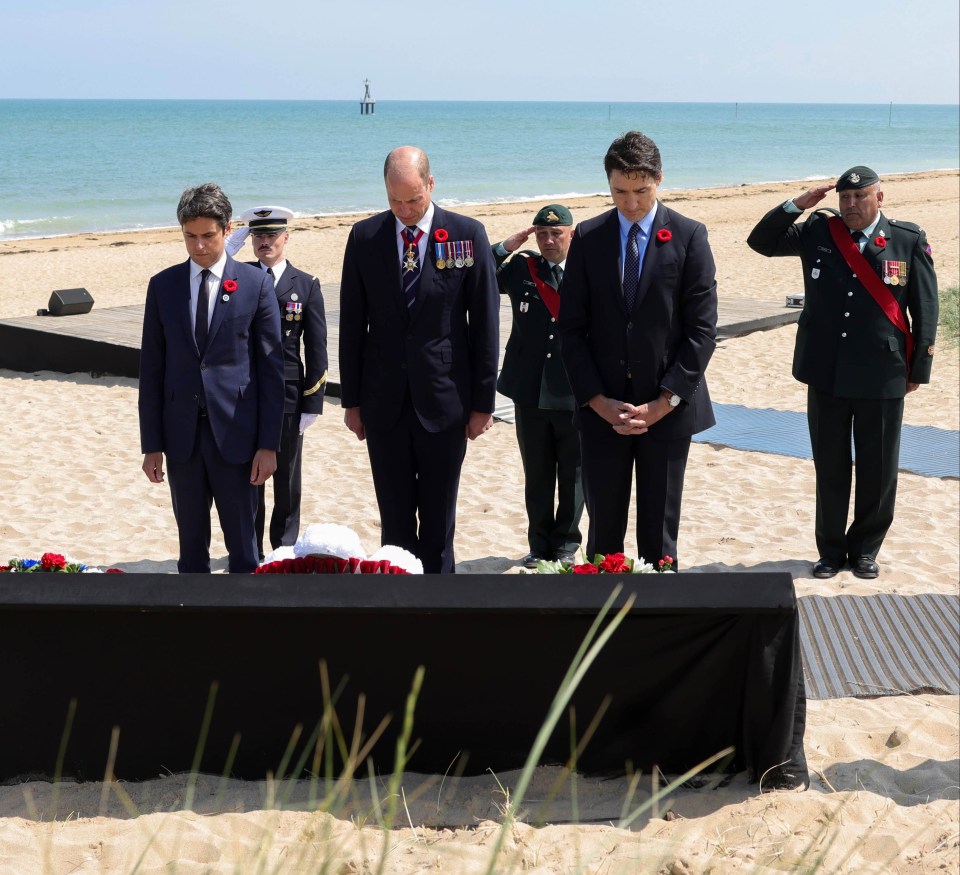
(72, 483)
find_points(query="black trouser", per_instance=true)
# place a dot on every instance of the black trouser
(285, 519)
(553, 493)
(875, 425)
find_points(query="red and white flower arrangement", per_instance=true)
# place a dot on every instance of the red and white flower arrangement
(611, 563)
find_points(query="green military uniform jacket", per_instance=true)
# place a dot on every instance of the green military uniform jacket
(532, 373)
(846, 346)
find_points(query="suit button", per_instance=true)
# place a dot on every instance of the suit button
(549, 354)
(203, 366)
(849, 294)
(622, 362)
(846, 315)
(552, 319)
(629, 326)
(844, 334)
(194, 398)
(549, 337)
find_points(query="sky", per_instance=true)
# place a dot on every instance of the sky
(816, 51)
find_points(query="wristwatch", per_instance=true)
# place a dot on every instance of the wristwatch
(672, 400)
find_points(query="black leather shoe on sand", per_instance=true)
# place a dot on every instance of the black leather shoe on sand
(865, 567)
(531, 559)
(826, 567)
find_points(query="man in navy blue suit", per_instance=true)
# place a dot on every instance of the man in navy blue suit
(211, 385)
(419, 330)
(638, 324)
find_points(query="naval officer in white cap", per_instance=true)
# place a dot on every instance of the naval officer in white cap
(301, 317)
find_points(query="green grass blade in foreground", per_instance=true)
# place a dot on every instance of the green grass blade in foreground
(584, 658)
(949, 322)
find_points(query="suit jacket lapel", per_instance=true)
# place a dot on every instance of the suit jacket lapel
(545, 272)
(649, 266)
(872, 252)
(428, 270)
(181, 293)
(219, 306)
(612, 263)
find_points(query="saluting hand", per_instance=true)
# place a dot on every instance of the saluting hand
(515, 241)
(812, 196)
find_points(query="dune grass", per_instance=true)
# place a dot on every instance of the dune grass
(949, 324)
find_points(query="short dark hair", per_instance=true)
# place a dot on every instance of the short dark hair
(633, 152)
(205, 201)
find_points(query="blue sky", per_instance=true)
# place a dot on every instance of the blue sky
(826, 51)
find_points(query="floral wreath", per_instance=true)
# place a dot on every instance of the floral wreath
(53, 563)
(611, 563)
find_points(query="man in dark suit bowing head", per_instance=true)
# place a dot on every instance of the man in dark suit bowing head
(211, 385)
(418, 354)
(638, 324)
(533, 376)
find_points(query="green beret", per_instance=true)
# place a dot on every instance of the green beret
(857, 177)
(553, 214)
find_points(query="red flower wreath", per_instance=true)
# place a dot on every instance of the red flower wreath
(229, 286)
(440, 235)
(663, 235)
(880, 241)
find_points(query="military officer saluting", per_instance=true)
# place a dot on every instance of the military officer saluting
(301, 319)
(534, 377)
(865, 339)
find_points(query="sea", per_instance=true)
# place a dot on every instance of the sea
(78, 166)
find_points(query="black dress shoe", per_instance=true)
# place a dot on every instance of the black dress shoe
(865, 567)
(566, 557)
(827, 567)
(532, 558)
(790, 777)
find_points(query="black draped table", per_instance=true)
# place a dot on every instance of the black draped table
(702, 662)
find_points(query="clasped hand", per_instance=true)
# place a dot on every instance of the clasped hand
(627, 418)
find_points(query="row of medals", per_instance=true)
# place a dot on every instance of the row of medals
(455, 253)
(294, 310)
(894, 272)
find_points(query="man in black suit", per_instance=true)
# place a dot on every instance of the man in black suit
(856, 351)
(211, 385)
(419, 330)
(533, 376)
(638, 320)
(301, 318)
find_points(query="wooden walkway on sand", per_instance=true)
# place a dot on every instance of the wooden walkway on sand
(107, 340)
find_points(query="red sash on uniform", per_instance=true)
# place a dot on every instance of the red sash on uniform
(871, 282)
(549, 295)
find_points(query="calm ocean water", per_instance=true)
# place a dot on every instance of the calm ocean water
(71, 166)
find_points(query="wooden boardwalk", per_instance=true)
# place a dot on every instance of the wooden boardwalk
(107, 340)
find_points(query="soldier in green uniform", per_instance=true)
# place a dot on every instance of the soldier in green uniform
(534, 377)
(865, 340)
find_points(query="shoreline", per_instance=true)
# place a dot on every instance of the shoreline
(519, 201)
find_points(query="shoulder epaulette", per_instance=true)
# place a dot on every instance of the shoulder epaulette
(906, 226)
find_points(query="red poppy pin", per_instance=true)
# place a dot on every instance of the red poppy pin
(440, 235)
(880, 241)
(229, 286)
(663, 235)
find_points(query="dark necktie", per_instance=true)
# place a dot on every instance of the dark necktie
(558, 274)
(200, 326)
(270, 271)
(859, 238)
(631, 269)
(410, 265)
